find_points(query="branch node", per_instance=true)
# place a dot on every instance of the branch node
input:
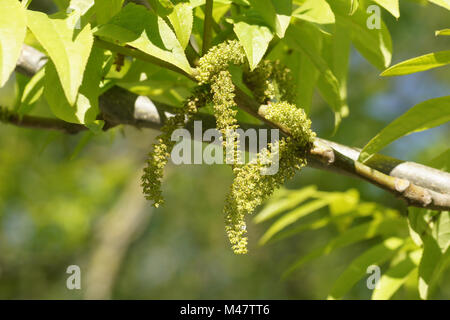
(401, 185)
(323, 152)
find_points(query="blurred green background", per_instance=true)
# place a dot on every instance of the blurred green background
(63, 205)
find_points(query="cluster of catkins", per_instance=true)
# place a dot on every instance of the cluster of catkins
(271, 86)
(157, 159)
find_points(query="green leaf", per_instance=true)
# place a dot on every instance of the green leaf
(305, 76)
(442, 161)
(182, 20)
(162, 7)
(441, 230)
(291, 217)
(278, 206)
(62, 4)
(391, 6)
(86, 108)
(106, 9)
(358, 268)
(419, 64)
(13, 27)
(241, 2)
(436, 256)
(316, 11)
(32, 92)
(354, 5)
(443, 32)
(338, 52)
(396, 276)
(342, 219)
(356, 234)
(139, 28)
(442, 3)
(344, 202)
(80, 11)
(431, 267)
(81, 6)
(255, 40)
(276, 13)
(307, 39)
(68, 50)
(425, 115)
(82, 143)
(418, 224)
(374, 44)
(314, 225)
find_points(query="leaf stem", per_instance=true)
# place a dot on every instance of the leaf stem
(207, 27)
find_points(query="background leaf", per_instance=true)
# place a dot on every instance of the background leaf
(443, 32)
(292, 200)
(392, 280)
(291, 217)
(358, 268)
(442, 161)
(353, 235)
(441, 230)
(419, 64)
(423, 116)
(433, 263)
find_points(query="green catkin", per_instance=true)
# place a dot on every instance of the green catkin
(225, 113)
(157, 159)
(250, 188)
(270, 81)
(223, 99)
(271, 84)
(213, 70)
(218, 59)
(294, 119)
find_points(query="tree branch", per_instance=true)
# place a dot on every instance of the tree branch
(39, 122)
(416, 184)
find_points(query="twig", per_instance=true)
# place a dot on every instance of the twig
(416, 184)
(412, 194)
(39, 122)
